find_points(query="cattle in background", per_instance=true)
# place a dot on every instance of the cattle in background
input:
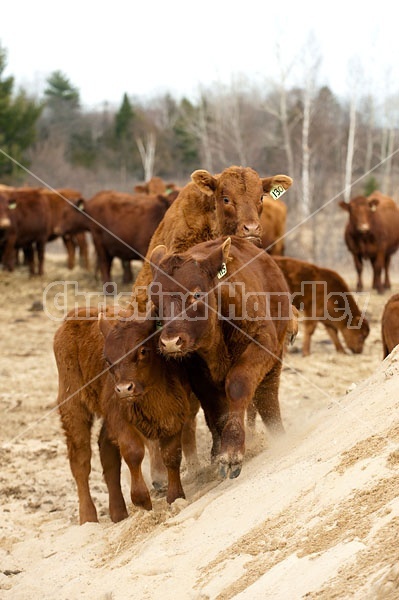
(30, 216)
(229, 203)
(390, 325)
(62, 201)
(372, 233)
(111, 368)
(273, 220)
(156, 185)
(121, 226)
(224, 305)
(323, 296)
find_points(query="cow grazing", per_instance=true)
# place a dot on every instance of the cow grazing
(273, 220)
(121, 226)
(372, 233)
(323, 296)
(229, 203)
(111, 368)
(30, 217)
(390, 325)
(224, 305)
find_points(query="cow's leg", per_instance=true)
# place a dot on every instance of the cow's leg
(378, 264)
(171, 454)
(189, 442)
(81, 241)
(241, 383)
(332, 332)
(251, 416)
(159, 474)
(387, 282)
(267, 402)
(29, 258)
(40, 246)
(309, 327)
(359, 268)
(111, 464)
(77, 422)
(132, 449)
(9, 252)
(104, 260)
(70, 248)
(127, 272)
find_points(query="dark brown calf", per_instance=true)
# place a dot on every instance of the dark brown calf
(111, 369)
(323, 296)
(390, 325)
(225, 307)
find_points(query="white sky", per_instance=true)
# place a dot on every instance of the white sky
(146, 47)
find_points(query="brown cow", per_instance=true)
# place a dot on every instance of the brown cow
(155, 185)
(225, 304)
(121, 226)
(324, 297)
(209, 206)
(125, 381)
(372, 233)
(273, 220)
(390, 325)
(30, 216)
(62, 201)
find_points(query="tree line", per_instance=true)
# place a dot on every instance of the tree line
(332, 147)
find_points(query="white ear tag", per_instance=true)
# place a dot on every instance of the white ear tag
(223, 271)
(277, 191)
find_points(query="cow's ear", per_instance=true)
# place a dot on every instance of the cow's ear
(344, 205)
(216, 262)
(373, 203)
(204, 181)
(80, 204)
(157, 255)
(104, 325)
(278, 183)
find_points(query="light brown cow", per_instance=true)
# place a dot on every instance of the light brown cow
(273, 220)
(229, 203)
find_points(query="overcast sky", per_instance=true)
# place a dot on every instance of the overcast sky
(148, 47)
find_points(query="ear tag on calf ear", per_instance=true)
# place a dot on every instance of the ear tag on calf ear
(12, 205)
(222, 272)
(277, 191)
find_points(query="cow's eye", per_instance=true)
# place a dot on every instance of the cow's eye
(143, 351)
(197, 295)
(261, 200)
(226, 200)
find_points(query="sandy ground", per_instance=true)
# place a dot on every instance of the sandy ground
(313, 516)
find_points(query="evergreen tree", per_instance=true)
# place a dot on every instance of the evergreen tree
(18, 117)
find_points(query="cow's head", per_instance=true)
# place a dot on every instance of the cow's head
(238, 194)
(131, 353)
(360, 211)
(182, 294)
(356, 334)
(74, 218)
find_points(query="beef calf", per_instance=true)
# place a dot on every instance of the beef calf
(390, 325)
(323, 296)
(225, 304)
(112, 369)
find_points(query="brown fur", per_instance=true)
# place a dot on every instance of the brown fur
(317, 306)
(90, 386)
(372, 233)
(233, 360)
(156, 185)
(30, 227)
(273, 220)
(209, 206)
(390, 325)
(122, 225)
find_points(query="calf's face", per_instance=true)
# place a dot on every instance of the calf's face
(360, 211)
(355, 335)
(182, 294)
(238, 196)
(130, 351)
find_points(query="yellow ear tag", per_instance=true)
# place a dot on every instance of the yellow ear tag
(223, 271)
(277, 191)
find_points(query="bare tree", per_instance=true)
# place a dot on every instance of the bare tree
(147, 153)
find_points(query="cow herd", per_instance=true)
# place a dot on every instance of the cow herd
(210, 316)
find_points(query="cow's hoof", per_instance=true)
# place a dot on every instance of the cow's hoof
(235, 471)
(223, 470)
